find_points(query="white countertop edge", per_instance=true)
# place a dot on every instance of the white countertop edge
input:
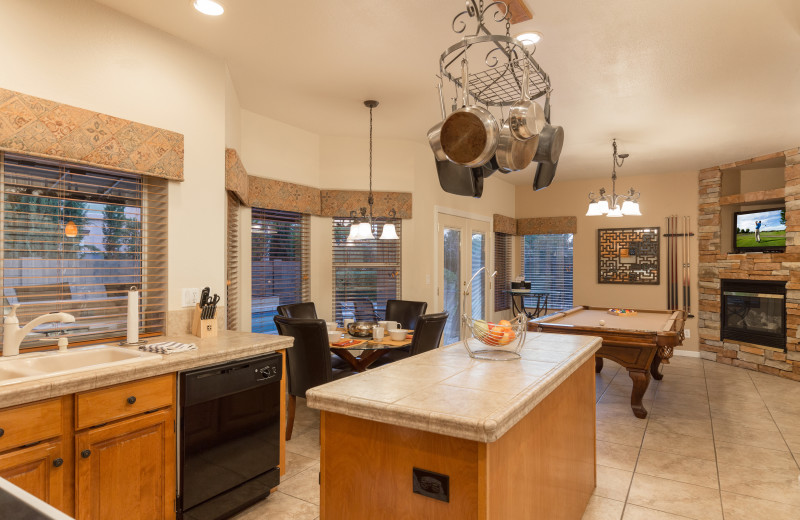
(250, 344)
(37, 504)
(488, 429)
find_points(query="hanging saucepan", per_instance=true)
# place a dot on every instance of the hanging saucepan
(469, 135)
(435, 132)
(544, 175)
(460, 180)
(551, 139)
(513, 154)
(526, 117)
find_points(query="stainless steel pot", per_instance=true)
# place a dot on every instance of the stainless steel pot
(513, 154)
(434, 133)
(551, 140)
(526, 118)
(361, 329)
(469, 135)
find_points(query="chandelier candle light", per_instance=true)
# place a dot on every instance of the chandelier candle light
(609, 205)
(363, 230)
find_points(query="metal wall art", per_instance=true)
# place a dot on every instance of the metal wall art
(628, 255)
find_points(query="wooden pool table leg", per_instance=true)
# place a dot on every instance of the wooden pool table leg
(654, 368)
(641, 380)
(598, 364)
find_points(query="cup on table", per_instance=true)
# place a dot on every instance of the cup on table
(397, 334)
(346, 322)
(334, 336)
(377, 332)
(332, 325)
(389, 325)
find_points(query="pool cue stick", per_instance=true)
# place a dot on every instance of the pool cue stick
(674, 262)
(689, 266)
(669, 298)
(683, 264)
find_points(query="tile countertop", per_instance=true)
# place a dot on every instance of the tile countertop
(445, 391)
(228, 345)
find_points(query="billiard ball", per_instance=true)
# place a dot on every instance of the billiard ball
(602, 322)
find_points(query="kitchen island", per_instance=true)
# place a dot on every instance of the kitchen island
(441, 435)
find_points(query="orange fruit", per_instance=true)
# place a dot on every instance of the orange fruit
(504, 323)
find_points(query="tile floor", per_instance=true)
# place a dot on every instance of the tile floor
(719, 443)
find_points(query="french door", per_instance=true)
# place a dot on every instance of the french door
(463, 248)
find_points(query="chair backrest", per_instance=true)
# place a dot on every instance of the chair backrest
(298, 310)
(428, 333)
(405, 311)
(364, 310)
(309, 360)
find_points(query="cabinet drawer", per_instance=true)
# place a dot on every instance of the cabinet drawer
(108, 404)
(30, 423)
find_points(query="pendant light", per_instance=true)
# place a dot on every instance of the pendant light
(609, 205)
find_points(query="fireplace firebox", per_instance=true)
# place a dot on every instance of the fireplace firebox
(754, 311)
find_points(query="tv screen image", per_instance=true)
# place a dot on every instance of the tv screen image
(762, 229)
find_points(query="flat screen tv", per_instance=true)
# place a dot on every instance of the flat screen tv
(760, 230)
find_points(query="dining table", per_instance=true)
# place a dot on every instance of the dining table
(363, 352)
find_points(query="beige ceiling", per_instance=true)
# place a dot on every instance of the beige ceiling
(681, 84)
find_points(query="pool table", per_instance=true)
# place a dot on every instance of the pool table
(639, 343)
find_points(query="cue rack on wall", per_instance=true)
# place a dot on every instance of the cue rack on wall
(679, 241)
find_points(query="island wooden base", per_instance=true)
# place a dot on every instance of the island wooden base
(543, 468)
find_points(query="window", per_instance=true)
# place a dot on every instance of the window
(366, 273)
(75, 239)
(547, 264)
(280, 267)
(502, 264)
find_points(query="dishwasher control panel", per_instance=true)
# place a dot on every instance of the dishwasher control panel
(268, 371)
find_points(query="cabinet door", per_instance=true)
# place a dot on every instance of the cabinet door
(127, 469)
(39, 470)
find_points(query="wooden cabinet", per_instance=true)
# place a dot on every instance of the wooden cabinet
(39, 470)
(127, 469)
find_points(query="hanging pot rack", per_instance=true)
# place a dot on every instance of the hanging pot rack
(499, 83)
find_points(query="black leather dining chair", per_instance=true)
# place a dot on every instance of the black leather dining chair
(309, 310)
(427, 336)
(406, 312)
(308, 362)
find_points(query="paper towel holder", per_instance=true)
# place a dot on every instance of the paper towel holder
(139, 343)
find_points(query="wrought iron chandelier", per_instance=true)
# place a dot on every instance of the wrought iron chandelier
(609, 205)
(363, 230)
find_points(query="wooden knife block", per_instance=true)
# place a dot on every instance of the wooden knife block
(203, 328)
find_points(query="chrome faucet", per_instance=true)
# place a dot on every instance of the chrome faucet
(13, 334)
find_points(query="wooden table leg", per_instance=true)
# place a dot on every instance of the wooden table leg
(655, 368)
(598, 364)
(641, 380)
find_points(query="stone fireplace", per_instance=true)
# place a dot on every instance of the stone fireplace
(754, 311)
(747, 327)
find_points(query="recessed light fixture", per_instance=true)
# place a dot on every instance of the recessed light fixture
(529, 38)
(209, 7)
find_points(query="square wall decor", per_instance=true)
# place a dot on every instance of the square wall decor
(628, 255)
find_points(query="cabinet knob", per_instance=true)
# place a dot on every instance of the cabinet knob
(85, 453)
(58, 462)
(2, 431)
(131, 400)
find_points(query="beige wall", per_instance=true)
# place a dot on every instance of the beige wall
(662, 195)
(89, 56)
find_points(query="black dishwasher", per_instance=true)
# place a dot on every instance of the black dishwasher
(229, 437)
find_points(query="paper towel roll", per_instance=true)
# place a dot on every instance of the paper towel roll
(133, 315)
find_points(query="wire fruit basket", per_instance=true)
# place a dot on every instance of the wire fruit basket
(500, 341)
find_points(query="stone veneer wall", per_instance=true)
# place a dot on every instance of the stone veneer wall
(716, 264)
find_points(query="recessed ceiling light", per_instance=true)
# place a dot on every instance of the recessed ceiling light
(209, 7)
(530, 38)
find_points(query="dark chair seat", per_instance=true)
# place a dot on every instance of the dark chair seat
(309, 310)
(308, 362)
(406, 312)
(427, 336)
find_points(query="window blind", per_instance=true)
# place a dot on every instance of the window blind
(547, 264)
(75, 239)
(502, 264)
(232, 263)
(280, 264)
(366, 273)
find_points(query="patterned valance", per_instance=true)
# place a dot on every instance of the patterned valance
(503, 224)
(547, 225)
(236, 180)
(339, 203)
(285, 196)
(43, 128)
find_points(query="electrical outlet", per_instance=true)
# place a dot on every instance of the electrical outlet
(191, 297)
(687, 333)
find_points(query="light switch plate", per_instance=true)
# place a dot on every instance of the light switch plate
(191, 297)
(687, 332)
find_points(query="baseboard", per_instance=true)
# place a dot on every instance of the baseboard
(686, 353)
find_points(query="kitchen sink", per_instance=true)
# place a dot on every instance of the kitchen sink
(27, 367)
